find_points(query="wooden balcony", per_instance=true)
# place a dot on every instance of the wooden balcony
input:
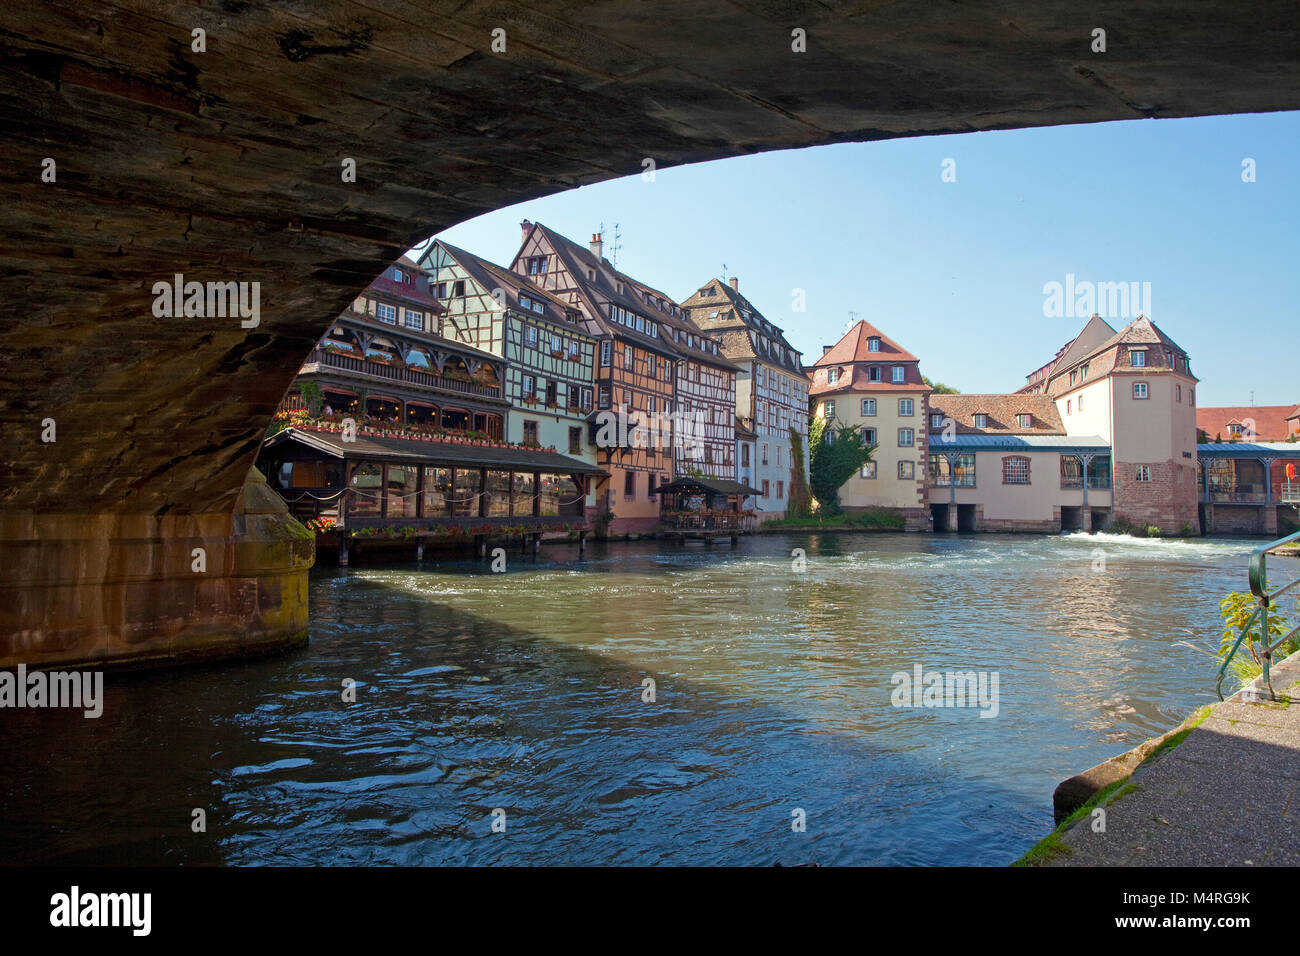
(396, 373)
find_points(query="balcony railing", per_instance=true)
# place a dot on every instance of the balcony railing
(398, 373)
(1289, 493)
(1095, 483)
(948, 481)
(708, 521)
(1239, 495)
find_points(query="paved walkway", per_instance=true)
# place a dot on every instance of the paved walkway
(1228, 795)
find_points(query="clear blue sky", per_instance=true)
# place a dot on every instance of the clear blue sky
(955, 271)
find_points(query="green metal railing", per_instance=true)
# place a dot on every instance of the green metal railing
(1264, 597)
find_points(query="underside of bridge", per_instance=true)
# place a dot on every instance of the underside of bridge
(137, 149)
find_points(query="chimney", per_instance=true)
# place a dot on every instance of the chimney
(525, 227)
(597, 246)
(826, 348)
(735, 283)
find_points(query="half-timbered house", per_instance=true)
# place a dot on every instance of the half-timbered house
(635, 367)
(549, 378)
(385, 360)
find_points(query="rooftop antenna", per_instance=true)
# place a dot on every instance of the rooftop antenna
(1252, 396)
(724, 272)
(853, 319)
(615, 244)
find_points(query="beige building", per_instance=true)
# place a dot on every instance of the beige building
(870, 382)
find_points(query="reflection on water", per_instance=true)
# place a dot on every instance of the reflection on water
(523, 691)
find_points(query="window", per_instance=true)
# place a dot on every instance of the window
(552, 396)
(575, 441)
(557, 345)
(529, 387)
(537, 265)
(1083, 372)
(906, 438)
(627, 356)
(650, 485)
(763, 457)
(869, 469)
(440, 290)
(1069, 406)
(530, 432)
(629, 484)
(764, 487)
(604, 396)
(780, 490)
(1074, 377)
(905, 408)
(385, 312)
(654, 364)
(606, 352)
(571, 391)
(868, 436)
(1025, 421)
(873, 373)
(1191, 396)
(868, 408)
(897, 374)
(575, 349)
(397, 274)
(828, 409)
(907, 470)
(1140, 390)
(936, 421)
(1015, 470)
(744, 455)
(586, 398)
(1080, 403)
(1137, 358)
(414, 320)
(1143, 472)
(873, 344)
(832, 376)
(1178, 393)
(530, 336)
(458, 288)
(981, 420)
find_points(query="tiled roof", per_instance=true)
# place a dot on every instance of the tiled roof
(491, 276)
(1269, 421)
(1001, 411)
(736, 319)
(854, 347)
(1105, 357)
(410, 449)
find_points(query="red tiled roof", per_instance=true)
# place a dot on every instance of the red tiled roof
(853, 347)
(1269, 422)
(1001, 411)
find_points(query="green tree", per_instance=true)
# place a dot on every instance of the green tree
(939, 387)
(836, 452)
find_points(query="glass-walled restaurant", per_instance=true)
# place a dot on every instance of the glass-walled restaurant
(377, 482)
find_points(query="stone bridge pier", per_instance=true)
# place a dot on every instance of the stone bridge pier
(288, 152)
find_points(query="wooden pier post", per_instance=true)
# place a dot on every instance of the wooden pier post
(343, 549)
(582, 543)
(419, 549)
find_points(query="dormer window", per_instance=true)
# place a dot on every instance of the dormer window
(1137, 358)
(981, 420)
(897, 374)
(1025, 421)
(873, 373)
(832, 376)
(873, 344)
(936, 422)
(397, 275)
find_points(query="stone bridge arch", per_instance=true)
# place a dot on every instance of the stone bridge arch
(304, 147)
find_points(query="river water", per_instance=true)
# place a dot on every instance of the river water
(522, 692)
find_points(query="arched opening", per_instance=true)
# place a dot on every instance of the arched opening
(383, 409)
(384, 352)
(421, 413)
(456, 419)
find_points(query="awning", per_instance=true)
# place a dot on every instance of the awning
(371, 448)
(706, 486)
